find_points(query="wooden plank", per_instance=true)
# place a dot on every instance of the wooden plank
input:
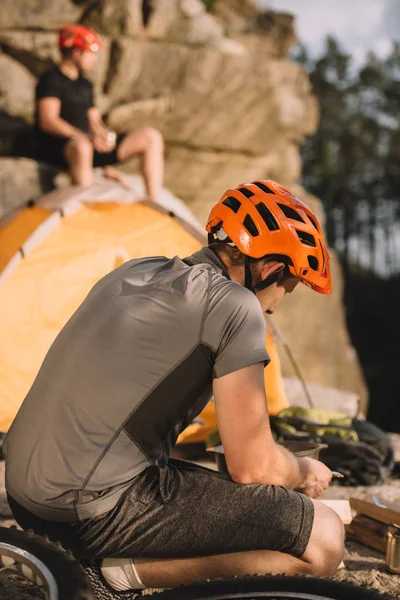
(368, 532)
(368, 507)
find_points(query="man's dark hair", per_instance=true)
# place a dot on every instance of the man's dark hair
(237, 259)
(67, 52)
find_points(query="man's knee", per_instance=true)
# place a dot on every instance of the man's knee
(325, 550)
(80, 148)
(153, 136)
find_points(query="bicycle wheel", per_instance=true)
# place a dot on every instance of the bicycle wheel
(276, 587)
(45, 563)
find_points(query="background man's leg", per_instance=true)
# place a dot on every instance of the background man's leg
(79, 155)
(149, 143)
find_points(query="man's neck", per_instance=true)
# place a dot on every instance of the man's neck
(235, 273)
(69, 68)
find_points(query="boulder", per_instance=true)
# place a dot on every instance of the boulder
(263, 32)
(36, 50)
(22, 180)
(218, 101)
(115, 17)
(17, 88)
(39, 14)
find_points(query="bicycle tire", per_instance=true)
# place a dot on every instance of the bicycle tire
(272, 587)
(61, 573)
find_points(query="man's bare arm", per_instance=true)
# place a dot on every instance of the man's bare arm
(50, 120)
(96, 123)
(251, 453)
(99, 131)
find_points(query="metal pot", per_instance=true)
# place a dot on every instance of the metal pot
(310, 449)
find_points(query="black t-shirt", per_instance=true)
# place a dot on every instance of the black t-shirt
(76, 97)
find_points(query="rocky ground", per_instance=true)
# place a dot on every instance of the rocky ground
(363, 566)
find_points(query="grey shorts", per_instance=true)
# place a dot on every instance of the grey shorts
(185, 510)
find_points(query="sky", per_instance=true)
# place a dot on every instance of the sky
(360, 25)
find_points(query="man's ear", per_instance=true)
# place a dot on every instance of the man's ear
(270, 268)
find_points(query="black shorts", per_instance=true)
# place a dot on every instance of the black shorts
(51, 149)
(185, 510)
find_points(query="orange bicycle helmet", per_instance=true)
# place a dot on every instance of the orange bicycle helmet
(263, 219)
(79, 36)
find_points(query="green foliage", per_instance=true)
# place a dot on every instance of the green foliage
(210, 5)
(353, 162)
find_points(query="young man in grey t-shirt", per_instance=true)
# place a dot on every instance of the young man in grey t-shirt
(88, 453)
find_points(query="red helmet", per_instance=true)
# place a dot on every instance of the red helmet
(264, 219)
(79, 36)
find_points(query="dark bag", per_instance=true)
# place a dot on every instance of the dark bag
(366, 461)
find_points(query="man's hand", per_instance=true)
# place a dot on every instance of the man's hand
(316, 477)
(101, 143)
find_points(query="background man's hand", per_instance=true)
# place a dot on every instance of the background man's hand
(316, 477)
(101, 143)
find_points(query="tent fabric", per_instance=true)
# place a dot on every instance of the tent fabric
(15, 232)
(276, 395)
(51, 256)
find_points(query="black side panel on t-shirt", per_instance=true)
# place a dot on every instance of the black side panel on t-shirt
(76, 96)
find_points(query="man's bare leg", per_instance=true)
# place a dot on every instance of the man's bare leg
(149, 143)
(322, 557)
(167, 573)
(113, 173)
(79, 155)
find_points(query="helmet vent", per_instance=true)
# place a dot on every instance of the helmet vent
(290, 213)
(246, 192)
(263, 187)
(313, 262)
(313, 222)
(306, 238)
(232, 203)
(267, 216)
(251, 226)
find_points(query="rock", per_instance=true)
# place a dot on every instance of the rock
(115, 17)
(21, 180)
(227, 46)
(263, 32)
(17, 88)
(195, 25)
(36, 50)
(41, 14)
(174, 20)
(192, 8)
(243, 95)
(163, 15)
(141, 113)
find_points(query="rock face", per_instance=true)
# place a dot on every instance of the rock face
(230, 105)
(22, 180)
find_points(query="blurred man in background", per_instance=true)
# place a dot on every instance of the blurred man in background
(71, 132)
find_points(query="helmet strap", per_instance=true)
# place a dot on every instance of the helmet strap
(248, 275)
(271, 279)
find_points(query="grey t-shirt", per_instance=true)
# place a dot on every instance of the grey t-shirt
(128, 372)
